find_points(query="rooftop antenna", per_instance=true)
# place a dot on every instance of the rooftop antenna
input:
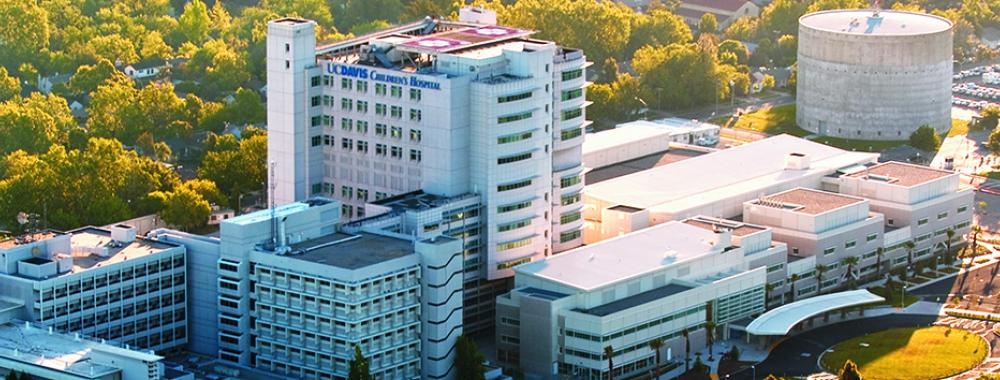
(272, 185)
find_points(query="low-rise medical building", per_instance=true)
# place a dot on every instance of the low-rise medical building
(662, 282)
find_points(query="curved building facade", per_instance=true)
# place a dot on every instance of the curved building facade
(873, 75)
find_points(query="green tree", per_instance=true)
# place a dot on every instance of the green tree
(468, 359)
(315, 10)
(9, 85)
(993, 142)
(239, 170)
(194, 22)
(780, 17)
(687, 348)
(246, 108)
(925, 138)
(737, 48)
(25, 33)
(791, 286)
(879, 252)
(609, 353)
(675, 76)
(359, 366)
(615, 101)
(34, 123)
(114, 48)
(768, 289)
(183, 208)
(88, 77)
(827, 5)
(850, 371)
(910, 245)
(768, 81)
(710, 336)
(11, 376)
(708, 23)
(417, 9)
(153, 47)
(659, 27)
(743, 29)
(988, 117)
(359, 12)
(851, 262)
(950, 233)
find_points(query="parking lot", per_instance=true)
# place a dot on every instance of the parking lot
(976, 88)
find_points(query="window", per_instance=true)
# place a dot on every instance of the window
(513, 118)
(415, 115)
(415, 155)
(570, 181)
(513, 207)
(415, 135)
(513, 138)
(346, 124)
(346, 191)
(515, 185)
(397, 132)
(572, 94)
(871, 237)
(380, 195)
(850, 244)
(380, 109)
(314, 81)
(569, 236)
(514, 244)
(362, 146)
(922, 221)
(775, 267)
(569, 199)
(396, 91)
(347, 144)
(942, 215)
(513, 263)
(962, 209)
(569, 217)
(380, 149)
(396, 112)
(567, 134)
(514, 158)
(923, 237)
(346, 104)
(315, 101)
(572, 74)
(316, 121)
(829, 251)
(513, 225)
(379, 89)
(362, 86)
(415, 94)
(513, 98)
(396, 152)
(363, 194)
(317, 140)
(361, 126)
(362, 106)
(572, 113)
(380, 129)
(345, 83)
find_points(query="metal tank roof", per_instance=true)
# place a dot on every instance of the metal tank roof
(868, 22)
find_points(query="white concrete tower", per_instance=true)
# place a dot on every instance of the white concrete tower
(291, 53)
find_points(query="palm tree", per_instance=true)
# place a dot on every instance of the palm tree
(656, 344)
(975, 231)
(768, 288)
(791, 283)
(910, 246)
(687, 349)
(610, 353)
(820, 271)
(878, 261)
(851, 262)
(947, 244)
(710, 335)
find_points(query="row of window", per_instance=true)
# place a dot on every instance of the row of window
(361, 146)
(361, 86)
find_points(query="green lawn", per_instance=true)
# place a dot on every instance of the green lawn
(958, 127)
(894, 298)
(859, 145)
(909, 353)
(771, 120)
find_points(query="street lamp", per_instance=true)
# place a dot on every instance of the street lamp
(754, 369)
(902, 294)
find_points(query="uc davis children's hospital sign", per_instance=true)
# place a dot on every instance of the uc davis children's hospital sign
(379, 76)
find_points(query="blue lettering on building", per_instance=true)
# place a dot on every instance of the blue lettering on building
(364, 73)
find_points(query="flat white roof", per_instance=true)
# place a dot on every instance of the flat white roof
(61, 352)
(623, 257)
(635, 131)
(863, 21)
(716, 176)
(781, 320)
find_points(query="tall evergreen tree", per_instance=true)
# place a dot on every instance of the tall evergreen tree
(359, 367)
(850, 371)
(468, 359)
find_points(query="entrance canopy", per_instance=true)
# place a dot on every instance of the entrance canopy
(780, 320)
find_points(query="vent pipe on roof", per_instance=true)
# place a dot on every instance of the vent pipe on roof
(723, 238)
(797, 161)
